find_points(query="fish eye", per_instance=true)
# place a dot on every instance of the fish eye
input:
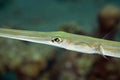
(57, 39)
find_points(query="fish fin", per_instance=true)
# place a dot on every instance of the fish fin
(107, 35)
(102, 51)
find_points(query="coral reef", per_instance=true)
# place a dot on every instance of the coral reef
(108, 21)
(27, 59)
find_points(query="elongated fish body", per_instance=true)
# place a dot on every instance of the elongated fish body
(67, 41)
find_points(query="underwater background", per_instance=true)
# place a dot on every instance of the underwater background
(21, 60)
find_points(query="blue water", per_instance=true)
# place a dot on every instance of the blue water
(50, 14)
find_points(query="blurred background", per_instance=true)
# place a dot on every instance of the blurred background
(21, 60)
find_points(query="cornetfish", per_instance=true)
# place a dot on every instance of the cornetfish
(74, 42)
